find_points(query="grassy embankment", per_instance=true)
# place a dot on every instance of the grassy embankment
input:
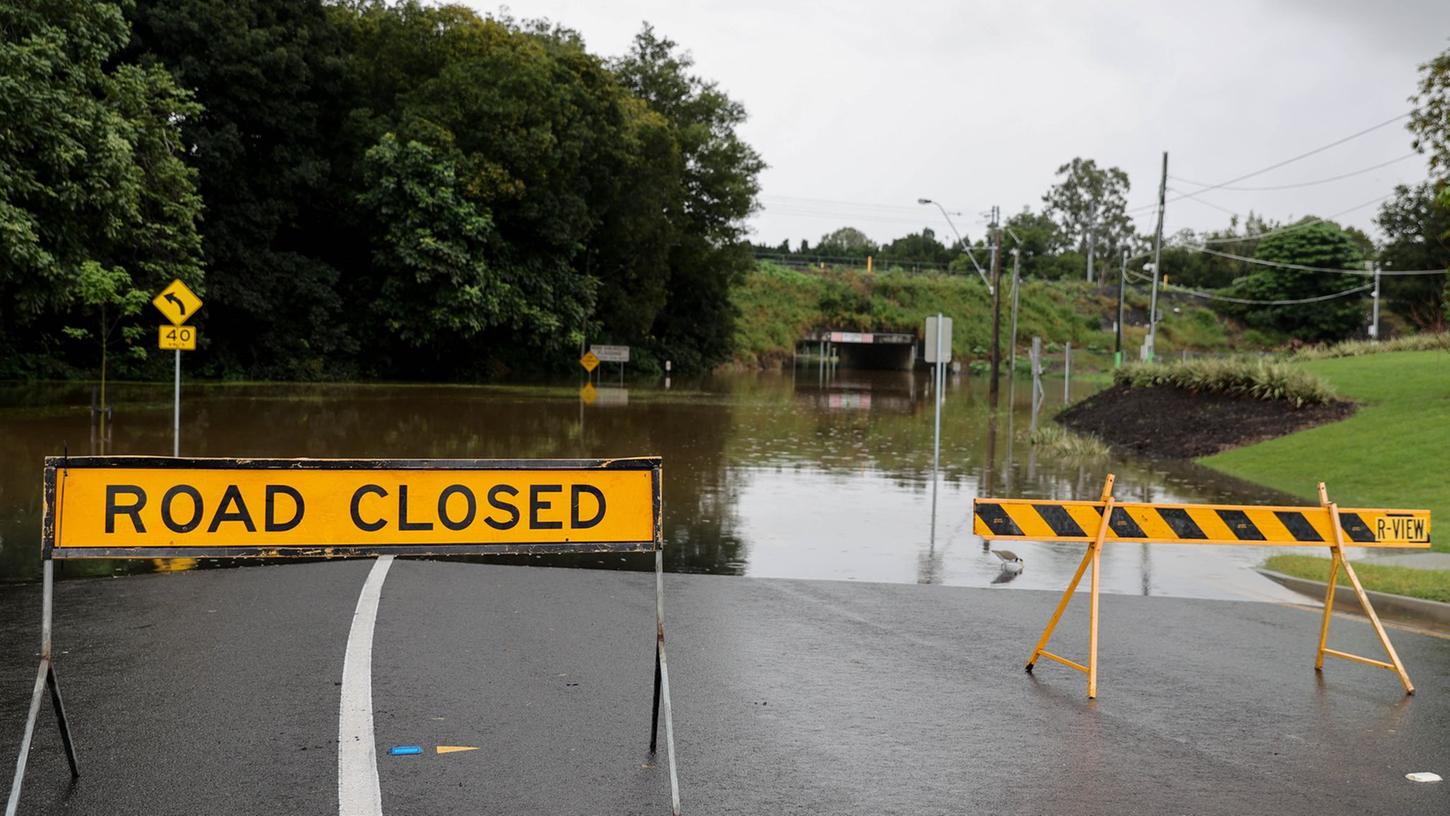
(778, 306)
(1432, 585)
(1389, 454)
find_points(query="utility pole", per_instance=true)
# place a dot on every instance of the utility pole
(1122, 287)
(1091, 242)
(1012, 349)
(992, 391)
(1374, 328)
(1157, 258)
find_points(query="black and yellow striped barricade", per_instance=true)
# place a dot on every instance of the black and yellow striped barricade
(1108, 520)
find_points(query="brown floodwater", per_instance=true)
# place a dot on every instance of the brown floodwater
(805, 473)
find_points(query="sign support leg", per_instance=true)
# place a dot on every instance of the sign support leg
(176, 410)
(44, 678)
(1091, 558)
(1394, 663)
(662, 685)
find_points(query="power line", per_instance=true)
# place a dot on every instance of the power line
(1360, 272)
(1290, 160)
(1306, 154)
(1297, 185)
(1300, 225)
(1210, 296)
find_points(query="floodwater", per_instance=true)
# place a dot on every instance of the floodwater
(805, 473)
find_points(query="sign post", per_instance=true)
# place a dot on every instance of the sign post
(177, 303)
(612, 354)
(938, 348)
(1108, 520)
(148, 507)
(590, 362)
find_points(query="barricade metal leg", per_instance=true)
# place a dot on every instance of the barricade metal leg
(44, 677)
(1339, 560)
(1092, 558)
(662, 685)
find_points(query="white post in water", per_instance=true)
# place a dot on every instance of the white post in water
(1066, 373)
(176, 410)
(936, 397)
(938, 352)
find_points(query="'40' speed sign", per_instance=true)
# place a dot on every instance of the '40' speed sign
(179, 338)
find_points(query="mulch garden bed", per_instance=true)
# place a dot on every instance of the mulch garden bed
(1170, 423)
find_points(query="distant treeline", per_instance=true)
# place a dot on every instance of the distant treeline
(358, 189)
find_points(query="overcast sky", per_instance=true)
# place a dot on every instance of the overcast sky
(860, 108)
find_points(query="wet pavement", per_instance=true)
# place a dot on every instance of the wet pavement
(217, 692)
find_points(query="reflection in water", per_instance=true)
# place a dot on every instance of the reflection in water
(809, 474)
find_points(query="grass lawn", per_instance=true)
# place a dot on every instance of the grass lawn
(1393, 452)
(1433, 585)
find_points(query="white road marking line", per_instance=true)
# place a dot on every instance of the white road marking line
(358, 791)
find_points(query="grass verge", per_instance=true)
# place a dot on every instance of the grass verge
(1430, 585)
(1389, 454)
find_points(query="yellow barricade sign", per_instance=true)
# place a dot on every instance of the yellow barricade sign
(119, 506)
(1108, 520)
(1135, 522)
(174, 508)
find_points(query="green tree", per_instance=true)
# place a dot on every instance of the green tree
(268, 74)
(915, 249)
(1038, 239)
(1416, 225)
(1319, 244)
(95, 201)
(846, 243)
(1430, 119)
(718, 191)
(110, 296)
(1089, 206)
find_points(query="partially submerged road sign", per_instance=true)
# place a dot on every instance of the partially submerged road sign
(590, 361)
(611, 354)
(166, 507)
(177, 302)
(178, 338)
(1108, 520)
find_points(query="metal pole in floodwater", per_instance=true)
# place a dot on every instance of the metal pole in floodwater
(176, 410)
(1066, 372)
(940, 381)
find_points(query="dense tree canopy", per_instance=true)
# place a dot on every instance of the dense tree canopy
(1089, 206)
(96, 206)
(382, 189)
(1320, 244)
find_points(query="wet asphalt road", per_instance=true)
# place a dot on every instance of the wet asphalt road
(216, 692)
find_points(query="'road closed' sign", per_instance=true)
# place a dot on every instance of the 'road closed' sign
(98, 506)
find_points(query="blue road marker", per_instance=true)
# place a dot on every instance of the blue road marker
(405, 750)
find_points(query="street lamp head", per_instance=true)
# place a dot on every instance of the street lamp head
(923, 201)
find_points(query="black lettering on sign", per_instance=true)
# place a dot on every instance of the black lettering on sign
(270, 522)
(469, 500)
(170, 520)
(493, 499)
(574, 520)
(536, 504)
(232, 496)
(403, 523)
(132, 509)
(357, 496)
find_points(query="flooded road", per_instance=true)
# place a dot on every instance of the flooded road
(794, 474)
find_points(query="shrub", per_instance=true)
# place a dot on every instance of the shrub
(1243, 377)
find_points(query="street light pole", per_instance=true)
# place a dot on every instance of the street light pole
(992, 391)
(960, 240)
